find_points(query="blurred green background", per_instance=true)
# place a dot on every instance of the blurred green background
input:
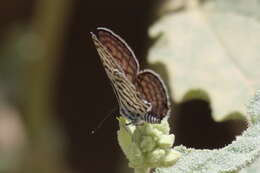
(54, 91)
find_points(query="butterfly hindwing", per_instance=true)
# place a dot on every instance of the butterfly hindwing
(153, 90)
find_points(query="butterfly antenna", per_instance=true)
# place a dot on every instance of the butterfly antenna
(102, 121)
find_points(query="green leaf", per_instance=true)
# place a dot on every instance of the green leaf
(211, 52)
(239, 154)
(254, 168)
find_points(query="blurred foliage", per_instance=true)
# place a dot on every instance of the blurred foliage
(27, 61)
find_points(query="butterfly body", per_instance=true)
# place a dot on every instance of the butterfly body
(141, 95)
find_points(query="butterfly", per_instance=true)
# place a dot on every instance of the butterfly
(141, 94)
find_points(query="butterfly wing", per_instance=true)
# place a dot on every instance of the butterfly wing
(150, 85)
(130, 101)
(120, 52)
(108, 61)
(138, 93)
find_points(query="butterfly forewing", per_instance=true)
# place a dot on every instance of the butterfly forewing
(120, 51)
(129, 98)
(130, 101)
(153, 90)
(108, 61)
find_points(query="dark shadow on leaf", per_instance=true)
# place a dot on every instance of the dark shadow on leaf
(194, 127)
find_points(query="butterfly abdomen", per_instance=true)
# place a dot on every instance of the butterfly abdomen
(150, 118)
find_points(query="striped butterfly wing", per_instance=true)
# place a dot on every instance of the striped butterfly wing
(130, 99)
(154, 91)
(107, 59)
(121, 67)
(120, 52)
